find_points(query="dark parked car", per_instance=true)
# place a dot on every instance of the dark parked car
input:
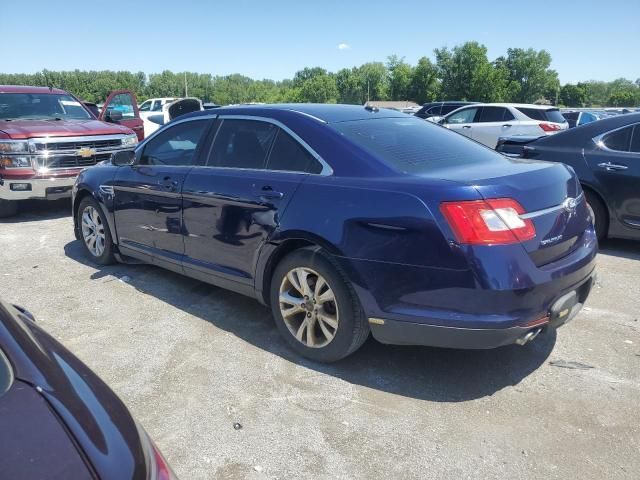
(58, 419)
(348, 219)
(606, 157)
(439, 109)
(577, 118)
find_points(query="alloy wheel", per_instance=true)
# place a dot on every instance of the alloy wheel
(93, 231)
(308, 307)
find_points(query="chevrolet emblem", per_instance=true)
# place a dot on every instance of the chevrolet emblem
(86, 152)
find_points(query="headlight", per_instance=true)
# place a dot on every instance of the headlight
(14, 146)
(130, 141)
(15, 162)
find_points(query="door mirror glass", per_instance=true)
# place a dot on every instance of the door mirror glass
(123, 158)
(113, 116)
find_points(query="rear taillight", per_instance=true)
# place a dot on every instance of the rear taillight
(488, 222)
(550, 127)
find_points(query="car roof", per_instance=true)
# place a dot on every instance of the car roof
(322, 112)
(27, 89)
(520, 105)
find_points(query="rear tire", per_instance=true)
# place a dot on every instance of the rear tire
(8, 208)
(328, 323)
(94, 232)
(599, 213)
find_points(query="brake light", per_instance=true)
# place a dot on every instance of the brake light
(549, 127)
(488, 222)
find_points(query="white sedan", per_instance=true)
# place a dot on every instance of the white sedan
(487, 122)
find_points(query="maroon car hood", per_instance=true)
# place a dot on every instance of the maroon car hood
(23, 129)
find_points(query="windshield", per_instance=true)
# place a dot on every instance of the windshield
(41, 106)
(410, 145)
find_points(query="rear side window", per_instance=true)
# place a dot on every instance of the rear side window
(288, 155)
(242, 144)
(495, 114)
(413, 146)
(619, 140)
(448, 109)
(635, 142)
(434, 110)
(176, 145)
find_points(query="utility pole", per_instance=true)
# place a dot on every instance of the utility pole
(186, 90)
(368, 91)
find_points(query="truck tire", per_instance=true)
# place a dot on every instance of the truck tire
(315, 307)
(8, 208)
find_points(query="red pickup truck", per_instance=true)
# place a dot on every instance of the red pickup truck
(47, 136)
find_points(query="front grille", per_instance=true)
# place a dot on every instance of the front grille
(75, 161)
(75, 145)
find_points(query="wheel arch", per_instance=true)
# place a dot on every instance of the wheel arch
(594, 191)
(82, 193)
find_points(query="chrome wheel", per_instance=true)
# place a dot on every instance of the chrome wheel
(308, 307)
(93, 231)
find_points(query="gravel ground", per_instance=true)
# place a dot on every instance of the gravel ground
(190, 360)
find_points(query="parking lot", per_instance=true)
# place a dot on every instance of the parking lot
(191, 360)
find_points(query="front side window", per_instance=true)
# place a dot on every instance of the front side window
(41, 106)
(619, 140)
(145, 107)
(242, 144)
(176, 145)
(463, 116)
(157, 106)
(123, 103)
(288, 155)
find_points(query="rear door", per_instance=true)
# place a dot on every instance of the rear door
(615, 163)
(232, 205)
(147, 195)
(462, 120)
(123, 101)
(493, 123)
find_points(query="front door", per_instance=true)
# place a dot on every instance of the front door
(615, 163)
(461, 121)
(148, 200)
(232, 205)
(493, 123)
(124, 102)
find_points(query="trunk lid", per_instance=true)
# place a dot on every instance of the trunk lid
(545, 190)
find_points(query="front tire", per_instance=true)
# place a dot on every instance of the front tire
(94, 232)
(315, 308)
(8, 208)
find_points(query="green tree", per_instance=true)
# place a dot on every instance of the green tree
(467, 74)
(374, 81)
(318, 89)
(424, 82)
(400, 76)
(349, 86)
(529, 75)
(573, 95)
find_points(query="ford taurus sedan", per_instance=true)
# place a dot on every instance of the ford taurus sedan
(58, 419)
(348, 220)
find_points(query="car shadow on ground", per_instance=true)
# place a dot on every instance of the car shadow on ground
(433, 374)
(621, 248)
(34, 210)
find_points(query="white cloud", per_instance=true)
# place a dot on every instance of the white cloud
(344, 46)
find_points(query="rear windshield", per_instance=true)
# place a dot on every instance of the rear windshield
(548, 115)
(413, 146)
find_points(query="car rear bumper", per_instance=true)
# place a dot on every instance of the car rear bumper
(404, 332)
(36, 188)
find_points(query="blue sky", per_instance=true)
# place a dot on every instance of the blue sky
(587, 39)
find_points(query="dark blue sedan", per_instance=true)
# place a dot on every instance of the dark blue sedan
(348, 220)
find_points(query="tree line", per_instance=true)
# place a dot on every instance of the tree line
(463, 72)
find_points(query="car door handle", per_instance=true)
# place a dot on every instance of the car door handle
(168, 184)
(612, 166)
(268, 193)
(466, 126)
(506, 125)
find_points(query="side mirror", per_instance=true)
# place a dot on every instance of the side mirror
(113, 116)
(123, 158)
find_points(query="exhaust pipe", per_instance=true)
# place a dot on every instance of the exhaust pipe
(529, 336)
